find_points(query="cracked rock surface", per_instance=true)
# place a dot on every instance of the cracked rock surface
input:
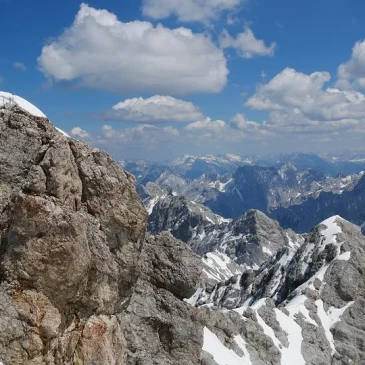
(79, 281)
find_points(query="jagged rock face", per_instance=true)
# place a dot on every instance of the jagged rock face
(182, 217)
(69, 208)
(249, 240)
(159, 327)
(261, 236)
(79, 283)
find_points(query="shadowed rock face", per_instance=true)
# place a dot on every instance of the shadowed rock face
(249, 240)
(79, 282)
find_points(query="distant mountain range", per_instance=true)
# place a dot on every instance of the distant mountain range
(230, 186)
(193, 167)
(350, 163)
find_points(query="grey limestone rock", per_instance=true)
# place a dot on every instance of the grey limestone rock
(79, 282)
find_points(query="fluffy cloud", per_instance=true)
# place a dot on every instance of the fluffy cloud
(208, 131)
(78, 132)
(19, 66)
(99, 51)
(300, 103)
(139, 141)
(240, 122)
(246, 44)
(154, 109)
(189, 10)
(207, 125)
(142, 134)
(160, 141)
(352, 73)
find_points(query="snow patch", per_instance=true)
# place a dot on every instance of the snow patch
(293, 353)
(151, 204)
(62, 132)
(242, 345)
(267, 251)
(24, 104)
(344, 256)
(221, 354)
(269, 332)
(296, 305)
(6, 98)
(218, 263)
(202, 235)
(329, 318)
(330, 233)
(193, 299)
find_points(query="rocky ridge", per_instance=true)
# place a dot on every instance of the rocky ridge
(249, 187)
(228, 247)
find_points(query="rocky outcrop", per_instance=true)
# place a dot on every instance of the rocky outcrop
(79, 281)
(182, 217)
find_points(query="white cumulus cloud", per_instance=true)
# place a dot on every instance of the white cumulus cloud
(207, 124)
(78, 132)
(189, 10)
(246, 44)
(352, 73)
(143, 136)
(99, 51)
(298, 103)
(154, 109)
(240, 122)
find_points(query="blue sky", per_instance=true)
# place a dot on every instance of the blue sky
(238, 76)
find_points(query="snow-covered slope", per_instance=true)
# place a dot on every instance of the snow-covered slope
(304, 306)
(8, 99)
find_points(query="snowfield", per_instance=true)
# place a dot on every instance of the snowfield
(221, 354)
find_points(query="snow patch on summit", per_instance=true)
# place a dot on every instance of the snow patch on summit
(6, 98)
